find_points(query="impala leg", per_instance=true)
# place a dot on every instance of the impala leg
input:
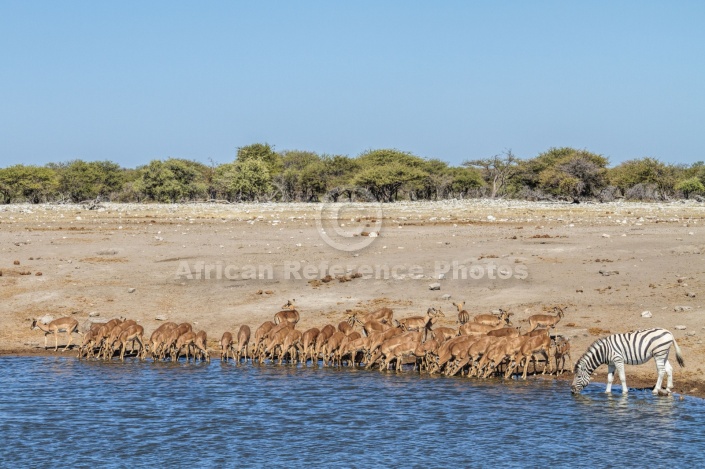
(526, 366)
(69, 342)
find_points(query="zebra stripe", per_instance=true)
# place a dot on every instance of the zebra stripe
(631, 348)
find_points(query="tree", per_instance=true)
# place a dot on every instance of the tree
(173, 180)
(33, 184)
(81, 180)
(387, 156)
(303, 177)
(385, 181)
(263, 152)
(496, 170)
(159, 183)
(690, 186)
(340, 172)
(243, 180)
(644, 171)
(465, 180)
(564, 172)
(384, 172)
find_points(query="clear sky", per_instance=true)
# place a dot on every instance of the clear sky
(131, 81)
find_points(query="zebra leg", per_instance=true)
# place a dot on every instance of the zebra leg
(669, 374)
(610, 377)
(622, 378)
(661, 369)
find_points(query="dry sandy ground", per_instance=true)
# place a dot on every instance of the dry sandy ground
(651, 257)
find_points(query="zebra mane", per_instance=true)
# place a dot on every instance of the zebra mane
(589, 353)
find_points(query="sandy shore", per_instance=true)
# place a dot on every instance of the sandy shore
(220, 266)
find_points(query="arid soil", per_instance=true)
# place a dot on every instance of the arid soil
(605, 263)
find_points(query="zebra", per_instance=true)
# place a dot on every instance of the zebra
(631, 348)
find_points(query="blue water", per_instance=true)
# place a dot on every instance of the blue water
(57, 411)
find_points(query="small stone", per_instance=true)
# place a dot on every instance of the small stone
(93, 314)
(161, 317)
(445, 296)
(607, 273)
(131, 290)
(646, 314)
(690, 294)
(680, 309)
(679, 328)
(38, 274)
(434, 286)
(605, 235)
(441, 276)
(690, 334)
(16, 262)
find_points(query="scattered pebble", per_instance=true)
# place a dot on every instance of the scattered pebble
(131, 290)
(679, 309)
(646, 314)
(434, 286)
(607, 273)
(679, 328)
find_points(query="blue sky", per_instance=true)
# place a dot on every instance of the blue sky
(132, 81)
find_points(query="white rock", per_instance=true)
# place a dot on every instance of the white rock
(434, 286)
(131, 290)
(679, 328)
(605, 235)
(646, 314)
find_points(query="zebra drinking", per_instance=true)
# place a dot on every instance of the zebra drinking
(631, 348)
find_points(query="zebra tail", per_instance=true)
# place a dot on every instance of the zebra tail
(679, 357)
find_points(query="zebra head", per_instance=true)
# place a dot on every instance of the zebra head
(581, 377)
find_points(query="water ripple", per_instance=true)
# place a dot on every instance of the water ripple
(58, 411)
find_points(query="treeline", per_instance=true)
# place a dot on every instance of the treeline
(259, 173)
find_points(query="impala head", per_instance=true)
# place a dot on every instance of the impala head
(289, 304)
(559, 311)
(459, 305)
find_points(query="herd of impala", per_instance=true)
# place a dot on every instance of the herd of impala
(483, 345)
